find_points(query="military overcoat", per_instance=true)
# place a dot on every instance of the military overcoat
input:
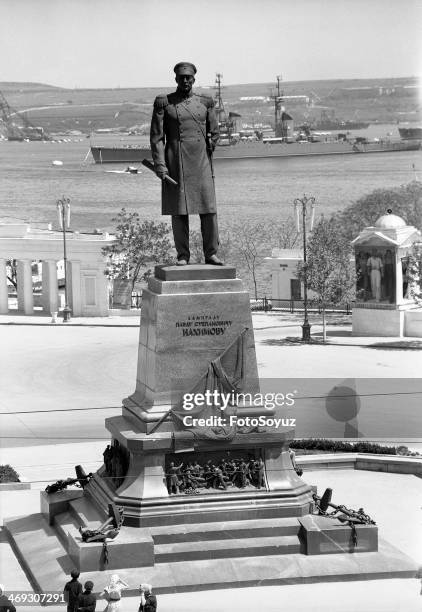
(180, 129)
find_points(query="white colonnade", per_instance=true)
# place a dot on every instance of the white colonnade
(87, 285)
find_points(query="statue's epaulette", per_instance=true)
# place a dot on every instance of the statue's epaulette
(161, 101)
(173, 97)
(206, 100)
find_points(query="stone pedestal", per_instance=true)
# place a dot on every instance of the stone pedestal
(190, 317)
(322, 535)
(373, 320)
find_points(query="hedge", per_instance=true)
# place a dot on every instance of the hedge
(336, 446)
(8, 474)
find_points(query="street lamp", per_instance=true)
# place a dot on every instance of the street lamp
(298, 204)
(63, 211)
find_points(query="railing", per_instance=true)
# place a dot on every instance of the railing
(266, 304)
(292, 306)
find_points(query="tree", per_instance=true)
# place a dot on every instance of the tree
(138, 244)
(329, 269)
(405, 201)
(415, 272)
(247, 244)
(250, 243)
(285, 233)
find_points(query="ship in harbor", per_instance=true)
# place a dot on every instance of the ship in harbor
(255, 143)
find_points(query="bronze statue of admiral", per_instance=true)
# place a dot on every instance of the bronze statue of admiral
(184, 133)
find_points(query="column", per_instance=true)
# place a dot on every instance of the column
(74, 287)
(102, 287)
(25, 290)
(399, 278)
(4, 299)
(49, 287)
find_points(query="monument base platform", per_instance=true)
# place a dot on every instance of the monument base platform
(222, 567)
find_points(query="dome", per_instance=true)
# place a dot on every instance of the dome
(390, 221)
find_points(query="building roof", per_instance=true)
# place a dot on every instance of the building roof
(389, 230)
(390, 221)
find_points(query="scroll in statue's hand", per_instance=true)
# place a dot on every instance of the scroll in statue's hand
(161, 174)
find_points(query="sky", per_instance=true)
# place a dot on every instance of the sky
(136, 43)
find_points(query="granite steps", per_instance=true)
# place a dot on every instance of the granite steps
(33, 539)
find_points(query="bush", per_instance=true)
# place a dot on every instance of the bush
(8, 474)
(336, 446)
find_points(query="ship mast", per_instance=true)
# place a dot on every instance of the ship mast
(219, 106)
(277, 102)
(278, 99)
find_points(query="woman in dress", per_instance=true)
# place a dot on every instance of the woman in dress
(113, 593)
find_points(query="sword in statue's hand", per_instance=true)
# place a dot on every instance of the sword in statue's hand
(148, 164)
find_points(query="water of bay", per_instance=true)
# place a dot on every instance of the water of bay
(253, 189)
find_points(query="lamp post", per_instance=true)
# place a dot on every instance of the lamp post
(301, 206)
(63, 211)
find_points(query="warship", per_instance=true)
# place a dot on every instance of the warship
(254, 143)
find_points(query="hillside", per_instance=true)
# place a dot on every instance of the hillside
(58, 109)
(21, 87)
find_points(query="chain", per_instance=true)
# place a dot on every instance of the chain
(358, 516)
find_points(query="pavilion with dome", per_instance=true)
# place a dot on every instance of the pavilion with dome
(384, 304)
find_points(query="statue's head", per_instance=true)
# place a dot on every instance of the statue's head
(185, 76)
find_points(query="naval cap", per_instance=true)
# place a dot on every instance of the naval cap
(185, 68)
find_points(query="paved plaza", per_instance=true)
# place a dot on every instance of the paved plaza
(85, 368)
